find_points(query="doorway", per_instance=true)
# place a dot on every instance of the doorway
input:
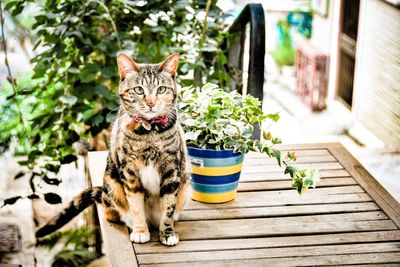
(347, 52)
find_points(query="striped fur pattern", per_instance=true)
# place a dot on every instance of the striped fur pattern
(147, 178)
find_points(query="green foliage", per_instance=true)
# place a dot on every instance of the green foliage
(215, 119)
(284, 53)
(72, 91)
(77, 248)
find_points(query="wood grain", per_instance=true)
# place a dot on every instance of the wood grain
(278, 175)
(348, 219)
(369, 183)
(343, 194)
(299, 153)
(269, 242)
(219, 229)
(268, 253)
(277, 168)
(274, 185)
(119, 249)
(300, 159)
(262, 212)
(324, 260)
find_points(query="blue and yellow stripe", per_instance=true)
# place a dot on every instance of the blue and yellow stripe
(215, 174)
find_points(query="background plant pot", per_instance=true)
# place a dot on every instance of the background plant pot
(215, 174)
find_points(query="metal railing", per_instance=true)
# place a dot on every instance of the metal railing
(252, 14)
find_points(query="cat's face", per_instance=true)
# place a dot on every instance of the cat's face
(148, 90)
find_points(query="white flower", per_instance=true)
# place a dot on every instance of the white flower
(163, 16)
(153, 17)
(136, 30)
(201, 15)
(150, 22)
(189, 9)
(189, 16)
(141, 3)
(126, 11)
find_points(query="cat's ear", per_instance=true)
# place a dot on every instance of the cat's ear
(170, 64)
(125, 65)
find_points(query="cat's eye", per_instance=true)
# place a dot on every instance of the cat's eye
(161, 89)
(138, 90)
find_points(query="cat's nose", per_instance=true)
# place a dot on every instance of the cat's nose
(150, 101)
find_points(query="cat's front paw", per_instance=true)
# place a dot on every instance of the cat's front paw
(170, 239)
(140, 237)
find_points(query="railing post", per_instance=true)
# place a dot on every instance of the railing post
(253, 14)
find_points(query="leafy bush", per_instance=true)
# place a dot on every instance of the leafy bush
(77, 247)
(72, 92)
(215, 119)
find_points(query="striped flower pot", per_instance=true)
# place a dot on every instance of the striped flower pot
(215, 174)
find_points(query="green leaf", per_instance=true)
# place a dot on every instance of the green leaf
(68, 99)
(24, 162)
(52, 198)
(51, 181)
(274, 116)
(276, 140)
(10, 5)
(19, 175)
(209, 86)
(11, 200)
(52, 167)
(277, 154)
(68, 159)
(33, 196)
(73, 70)
(291, 171)
(192, 135)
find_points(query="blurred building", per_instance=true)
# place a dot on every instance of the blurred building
(362, 39)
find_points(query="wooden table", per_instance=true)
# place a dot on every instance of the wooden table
(348, 219)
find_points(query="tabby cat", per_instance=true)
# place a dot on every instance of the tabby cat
(146, 179)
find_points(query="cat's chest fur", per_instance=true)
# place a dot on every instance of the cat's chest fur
(150, 179)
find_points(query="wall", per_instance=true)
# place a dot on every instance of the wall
(322, 30)
(377, 74)
(325, 37)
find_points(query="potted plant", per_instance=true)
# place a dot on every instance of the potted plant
(218, 129)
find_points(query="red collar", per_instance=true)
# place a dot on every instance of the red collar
(161, 121)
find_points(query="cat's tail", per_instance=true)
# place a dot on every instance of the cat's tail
(86, 198)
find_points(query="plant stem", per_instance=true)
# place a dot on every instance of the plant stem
(197, 74)
(10, 77)
(111, 20)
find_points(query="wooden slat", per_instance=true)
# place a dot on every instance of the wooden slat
(244, 201)
(219, 229)
(325, 260)
(118, 247)
(268, 253)
(340, 194)
(356, 216)
(299, 153)
(300, 159)
(368, 182)
(270, 176)
(276, 168)
(270, 242)
(304, 146)
(274, 185)
(262, 212)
